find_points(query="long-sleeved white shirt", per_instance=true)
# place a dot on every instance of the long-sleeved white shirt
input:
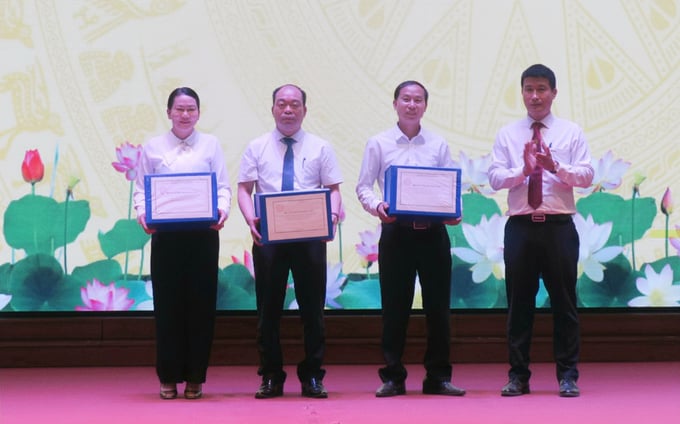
(568, 147)
(392, 147)
(167, 154)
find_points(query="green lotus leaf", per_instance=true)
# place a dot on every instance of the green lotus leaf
(615, 289)
(619, 276)
(358, 276)
(28, 223)
(673, 261)
(137, 290)
(363, 294)
(236, 288)
(39, 224)
(105, 271)
(465, 293)
(125, 236)
(5, 271)
(78, 213)
(631, 218)
(593, 294)
(233, 297)
(239, 276)
(39, 284)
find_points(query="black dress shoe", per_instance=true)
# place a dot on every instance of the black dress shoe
(313, 388)
(515, 387)
(269, 389)
(391, 388)
(434, 387)
(568, 388)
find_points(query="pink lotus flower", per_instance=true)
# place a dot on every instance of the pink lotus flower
(368, 248)
(341, 213)
(667, 202)
(128, 160)
(32, 168)
(99, 297)
(247, 262)
(667, 209)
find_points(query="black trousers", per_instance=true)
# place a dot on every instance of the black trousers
(547, 250)
(403, 253)
(184, 269)
(307, 262)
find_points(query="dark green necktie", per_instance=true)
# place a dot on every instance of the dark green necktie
(288, 175)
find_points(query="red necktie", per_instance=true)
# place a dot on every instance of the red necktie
(536, 177)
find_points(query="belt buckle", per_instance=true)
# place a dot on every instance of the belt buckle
(420, 225)
(537, 217)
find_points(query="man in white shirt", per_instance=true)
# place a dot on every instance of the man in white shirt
(541, 240)
(407, 248)
(315, 166)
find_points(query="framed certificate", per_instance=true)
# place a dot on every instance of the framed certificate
(423, 193)
(180, 201)
(294, 215)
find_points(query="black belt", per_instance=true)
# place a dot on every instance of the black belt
(541, 217)
(418, 225)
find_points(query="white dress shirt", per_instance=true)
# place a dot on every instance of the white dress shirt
(315, 163)
(568, 147)
(392, 147)
(167, 154)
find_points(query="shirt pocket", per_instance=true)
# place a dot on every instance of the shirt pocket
(561, 154)
(311, 169)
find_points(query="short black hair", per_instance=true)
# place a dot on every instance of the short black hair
(539, 71)
(276, 90)
(183, 90)
(406, 84)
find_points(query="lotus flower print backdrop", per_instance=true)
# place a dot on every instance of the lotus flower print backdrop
(83, 85)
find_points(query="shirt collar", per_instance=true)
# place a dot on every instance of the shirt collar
(401, 138)
(298, 136)
(189, 141)
(547, 121)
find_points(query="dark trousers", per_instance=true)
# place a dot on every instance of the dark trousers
(307, 262)
(549, 250)
(184, 267)
(403, 252)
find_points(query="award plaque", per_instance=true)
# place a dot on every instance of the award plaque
(294, 215)
(181, 201)
(423, 193)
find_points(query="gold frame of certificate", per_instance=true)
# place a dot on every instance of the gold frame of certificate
(291, 216)
(181, 201)
(425, 193)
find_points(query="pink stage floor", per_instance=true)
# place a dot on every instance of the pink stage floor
(621, 393)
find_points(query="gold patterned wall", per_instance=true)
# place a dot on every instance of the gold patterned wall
(78, 78)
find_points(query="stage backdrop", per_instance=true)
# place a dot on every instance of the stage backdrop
(79, 80)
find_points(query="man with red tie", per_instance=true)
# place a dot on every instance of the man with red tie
(540, 159)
